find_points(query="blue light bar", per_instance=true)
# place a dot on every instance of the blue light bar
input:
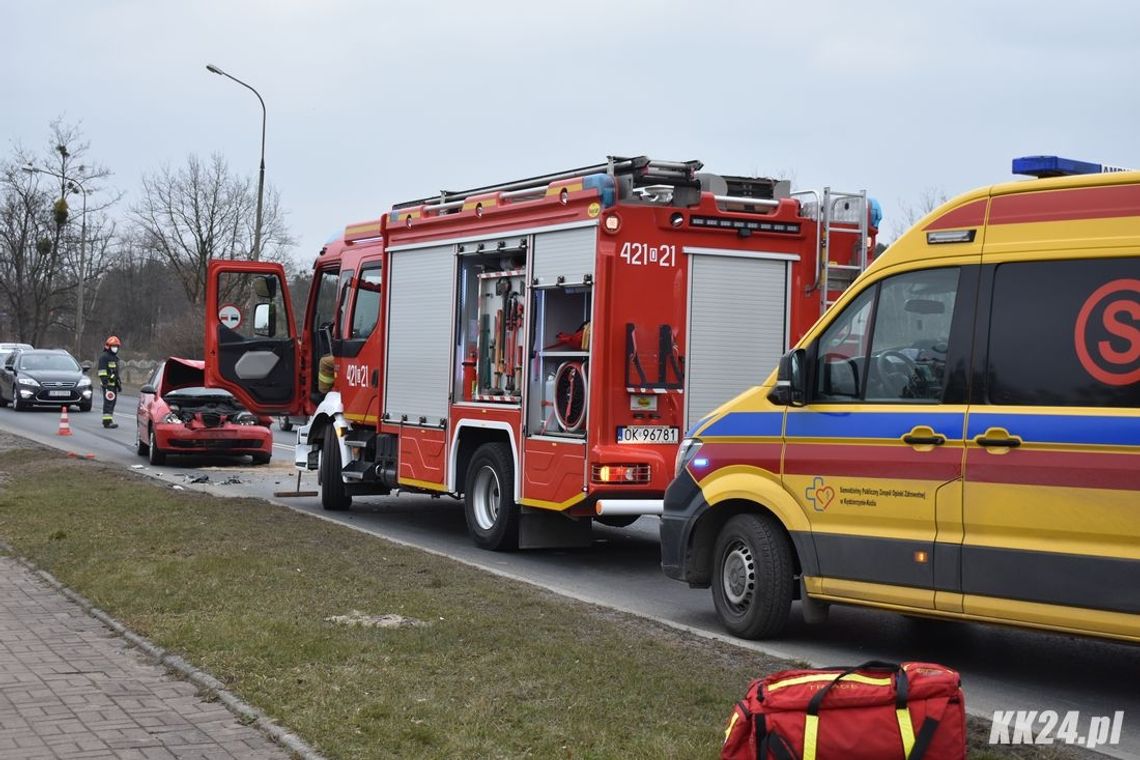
(1056, 166)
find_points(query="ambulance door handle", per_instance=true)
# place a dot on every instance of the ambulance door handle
(997, 438)
(924, 435)
(924, 440)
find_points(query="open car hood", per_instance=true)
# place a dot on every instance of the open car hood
(182, 373)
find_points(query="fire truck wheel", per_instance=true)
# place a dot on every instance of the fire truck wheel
(492, 515)
(753, 578)
(333, 495)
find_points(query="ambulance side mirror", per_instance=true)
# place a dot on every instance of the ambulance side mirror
(790, 387)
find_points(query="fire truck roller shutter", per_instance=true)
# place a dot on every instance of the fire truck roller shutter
(569, 254)
(419, 334)
(737, 326)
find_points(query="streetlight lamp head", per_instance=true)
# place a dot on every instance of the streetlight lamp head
(213, 69)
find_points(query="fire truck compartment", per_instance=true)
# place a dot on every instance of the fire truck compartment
(419, 332)
(725, 291)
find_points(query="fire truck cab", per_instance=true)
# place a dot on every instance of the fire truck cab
(537, 348)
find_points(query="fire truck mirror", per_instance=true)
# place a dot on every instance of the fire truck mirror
(265, 287)
(264, 320)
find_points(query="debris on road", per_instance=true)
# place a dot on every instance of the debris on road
(231, 481)
(356, 617)
(198, 478)
(137, 467)
(178, 488)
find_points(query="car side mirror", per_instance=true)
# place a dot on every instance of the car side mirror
(148, 388)
(85, 366)
(791, 388)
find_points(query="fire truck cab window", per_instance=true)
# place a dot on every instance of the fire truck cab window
(343, 299)
(366, 306)
(251, 307)
(324, 309)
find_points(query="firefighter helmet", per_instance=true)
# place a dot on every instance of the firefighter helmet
(112, 341)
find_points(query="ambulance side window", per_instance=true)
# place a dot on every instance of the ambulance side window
(1065, 333)
(842, 351)
(891, 343)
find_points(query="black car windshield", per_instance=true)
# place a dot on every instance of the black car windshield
(56, 362)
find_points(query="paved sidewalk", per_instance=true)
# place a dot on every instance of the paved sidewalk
(70, 688)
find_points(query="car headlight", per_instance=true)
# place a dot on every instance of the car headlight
(171, 418)
(28, 381)
(245, 418)
(84, 382)
(685, 453)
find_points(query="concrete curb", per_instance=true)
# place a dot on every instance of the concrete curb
(243, 711)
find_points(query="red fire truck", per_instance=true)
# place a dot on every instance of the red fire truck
(537, 348)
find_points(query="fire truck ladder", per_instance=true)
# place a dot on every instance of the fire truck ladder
(645, 171)
(836, 211)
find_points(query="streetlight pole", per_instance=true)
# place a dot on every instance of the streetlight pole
(261, 174)
(69, 185)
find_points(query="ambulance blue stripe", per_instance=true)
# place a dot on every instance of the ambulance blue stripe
(871, 424)
(747, 424)
(1062, 428)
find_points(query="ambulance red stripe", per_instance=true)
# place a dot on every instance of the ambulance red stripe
(1066, 205)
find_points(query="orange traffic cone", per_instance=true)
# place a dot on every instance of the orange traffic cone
(64, 425)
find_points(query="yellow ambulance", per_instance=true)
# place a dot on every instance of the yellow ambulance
(958, 436)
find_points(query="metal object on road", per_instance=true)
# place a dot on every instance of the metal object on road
(296, 491)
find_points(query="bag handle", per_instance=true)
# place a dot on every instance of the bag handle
(902, 693)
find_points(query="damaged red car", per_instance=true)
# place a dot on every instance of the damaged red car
(177, 414)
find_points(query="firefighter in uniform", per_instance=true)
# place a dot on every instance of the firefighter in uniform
(110, 379)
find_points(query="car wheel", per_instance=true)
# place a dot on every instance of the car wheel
(155, 457)
(753, 577)
(285, 425)
(85, 407)
(488, 502)
(141, 446)
(334, 497)
(17, 404)
(261, 458)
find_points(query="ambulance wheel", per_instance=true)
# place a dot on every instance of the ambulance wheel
(334, 498)
(489, 503)
(752, 580)
(155, 456)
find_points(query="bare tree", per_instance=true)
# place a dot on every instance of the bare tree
(910, 212)
(200, 212)
(42, 242)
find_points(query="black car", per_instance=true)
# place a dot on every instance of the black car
(42, 377)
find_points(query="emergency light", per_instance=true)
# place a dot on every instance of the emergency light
(1057, 166)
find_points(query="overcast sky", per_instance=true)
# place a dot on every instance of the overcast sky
(371, 103)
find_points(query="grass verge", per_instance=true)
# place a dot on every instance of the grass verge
(493, 668)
